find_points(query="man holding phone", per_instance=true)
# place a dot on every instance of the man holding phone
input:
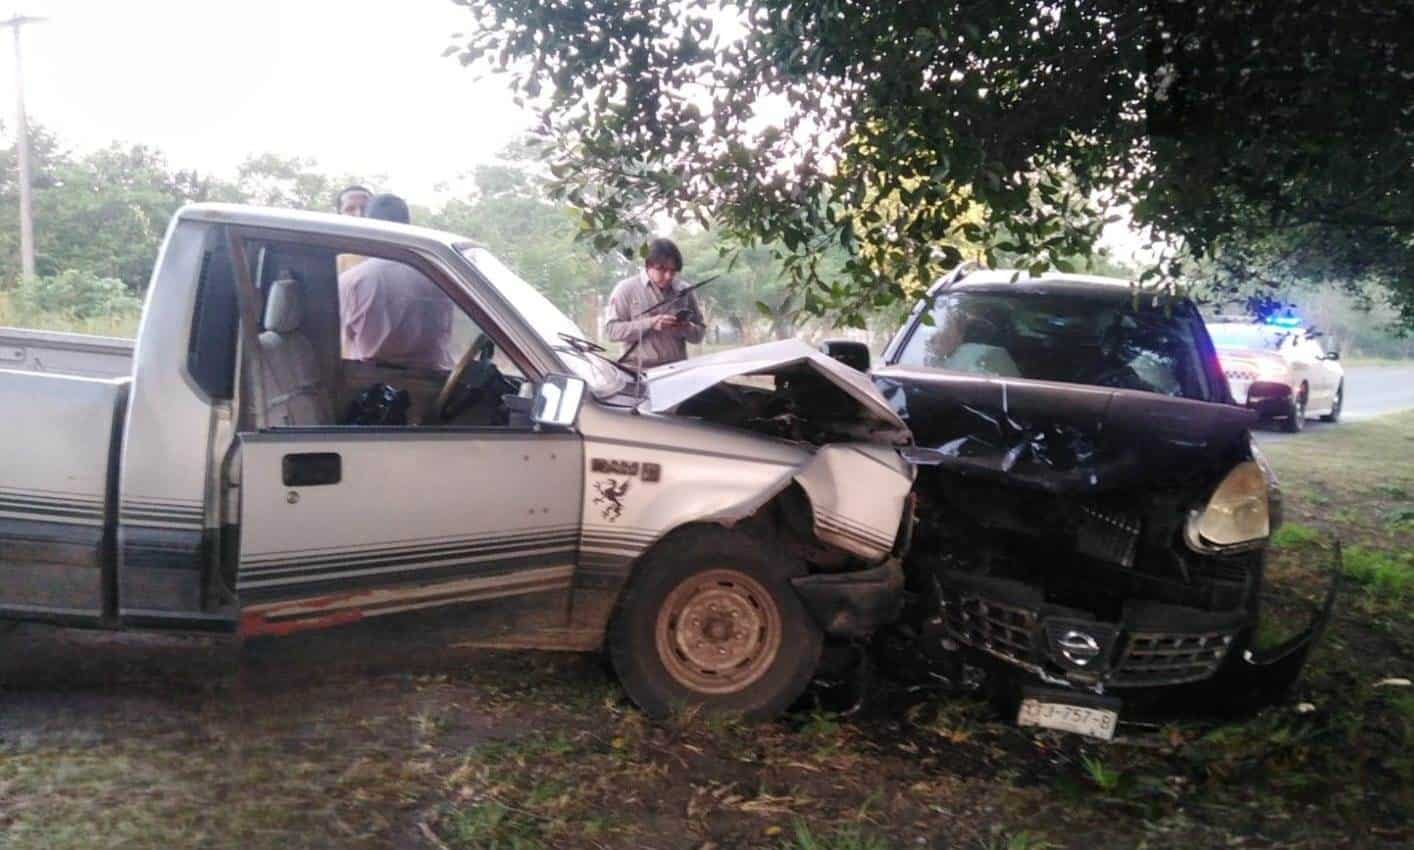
(643, 314)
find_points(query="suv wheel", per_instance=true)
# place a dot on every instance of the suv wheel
(710, 620)
(1336, 405)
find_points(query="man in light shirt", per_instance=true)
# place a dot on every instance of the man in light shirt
(654, 333)
(351, 200)
(392, 314)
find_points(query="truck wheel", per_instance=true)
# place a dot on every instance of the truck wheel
(1336, 405)
(1296, 412)
(710, 619)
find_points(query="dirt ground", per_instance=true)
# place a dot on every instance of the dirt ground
(389, 734)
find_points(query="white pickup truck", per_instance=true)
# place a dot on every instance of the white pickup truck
(247, 477)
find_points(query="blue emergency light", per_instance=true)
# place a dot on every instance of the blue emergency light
(1284, 321)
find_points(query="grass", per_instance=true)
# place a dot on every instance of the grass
(843, 838)
(1002, 840)
(1100, 774)
(1390, 576)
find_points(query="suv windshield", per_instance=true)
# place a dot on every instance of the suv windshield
(604, 378)
(1101, 340)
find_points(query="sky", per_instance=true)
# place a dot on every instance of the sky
(361, 87)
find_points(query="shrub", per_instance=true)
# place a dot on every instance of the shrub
(74, 294)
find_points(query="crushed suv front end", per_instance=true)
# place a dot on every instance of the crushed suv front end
(1092, 548)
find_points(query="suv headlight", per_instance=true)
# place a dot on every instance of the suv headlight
(1237, 516)
(1274, 497)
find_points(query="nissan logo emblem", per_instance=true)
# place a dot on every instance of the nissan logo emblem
(1078, 648)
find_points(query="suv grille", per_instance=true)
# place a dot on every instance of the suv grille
(1151, 658)
(1003, 630)
(1162, 645)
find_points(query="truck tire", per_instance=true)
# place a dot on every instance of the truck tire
(1334, 415)
(1295, 418)
(710, 620)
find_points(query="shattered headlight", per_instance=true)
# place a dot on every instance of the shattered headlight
(1237, 516)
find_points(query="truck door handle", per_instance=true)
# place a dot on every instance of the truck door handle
(312, 469)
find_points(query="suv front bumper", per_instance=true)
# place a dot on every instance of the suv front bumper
(1153, 649)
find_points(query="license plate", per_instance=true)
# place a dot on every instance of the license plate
(1095, 722)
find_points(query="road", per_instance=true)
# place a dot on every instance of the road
(1369, 391)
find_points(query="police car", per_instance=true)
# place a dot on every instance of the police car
(1279, 369)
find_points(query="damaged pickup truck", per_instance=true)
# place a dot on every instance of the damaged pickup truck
(299, 448)
(1093, 513)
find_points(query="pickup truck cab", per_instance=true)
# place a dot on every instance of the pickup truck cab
(248, 477)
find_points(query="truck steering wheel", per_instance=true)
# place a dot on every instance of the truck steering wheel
(467, 382)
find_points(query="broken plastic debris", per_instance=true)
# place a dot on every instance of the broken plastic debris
(1393, 683)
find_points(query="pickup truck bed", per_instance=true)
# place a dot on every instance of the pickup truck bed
(65, 353)
(60, 435)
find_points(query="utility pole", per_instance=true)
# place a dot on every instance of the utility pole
(22, 150)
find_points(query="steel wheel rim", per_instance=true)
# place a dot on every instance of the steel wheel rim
(718, 632)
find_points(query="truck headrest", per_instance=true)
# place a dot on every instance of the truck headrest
(283, 312)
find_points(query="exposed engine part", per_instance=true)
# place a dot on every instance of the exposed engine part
(1112, 537)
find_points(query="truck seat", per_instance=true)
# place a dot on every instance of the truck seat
(295, 392)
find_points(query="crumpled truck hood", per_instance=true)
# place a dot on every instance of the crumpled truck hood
(1061, 438)
(675, 383)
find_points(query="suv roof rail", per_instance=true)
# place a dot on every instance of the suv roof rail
(957, 274)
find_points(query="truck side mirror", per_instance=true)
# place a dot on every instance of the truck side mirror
(852, 354)
(557, 401)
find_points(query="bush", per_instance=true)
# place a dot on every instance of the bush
(74, 294)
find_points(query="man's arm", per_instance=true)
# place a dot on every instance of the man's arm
(619, 326)
(695, 328)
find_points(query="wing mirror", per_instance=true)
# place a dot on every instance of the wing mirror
(557, 401)
(1333, 355)
(852, 354)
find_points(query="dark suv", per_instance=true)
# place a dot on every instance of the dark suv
(1093, 514)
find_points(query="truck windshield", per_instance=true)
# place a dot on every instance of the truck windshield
(603, 377)
(1099, 340)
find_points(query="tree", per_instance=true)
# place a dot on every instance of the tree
(103, 213)
(1257, 130)
(506, 211)
(290, 181)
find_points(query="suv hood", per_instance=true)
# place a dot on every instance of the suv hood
(1060, 438)
(671, 385)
